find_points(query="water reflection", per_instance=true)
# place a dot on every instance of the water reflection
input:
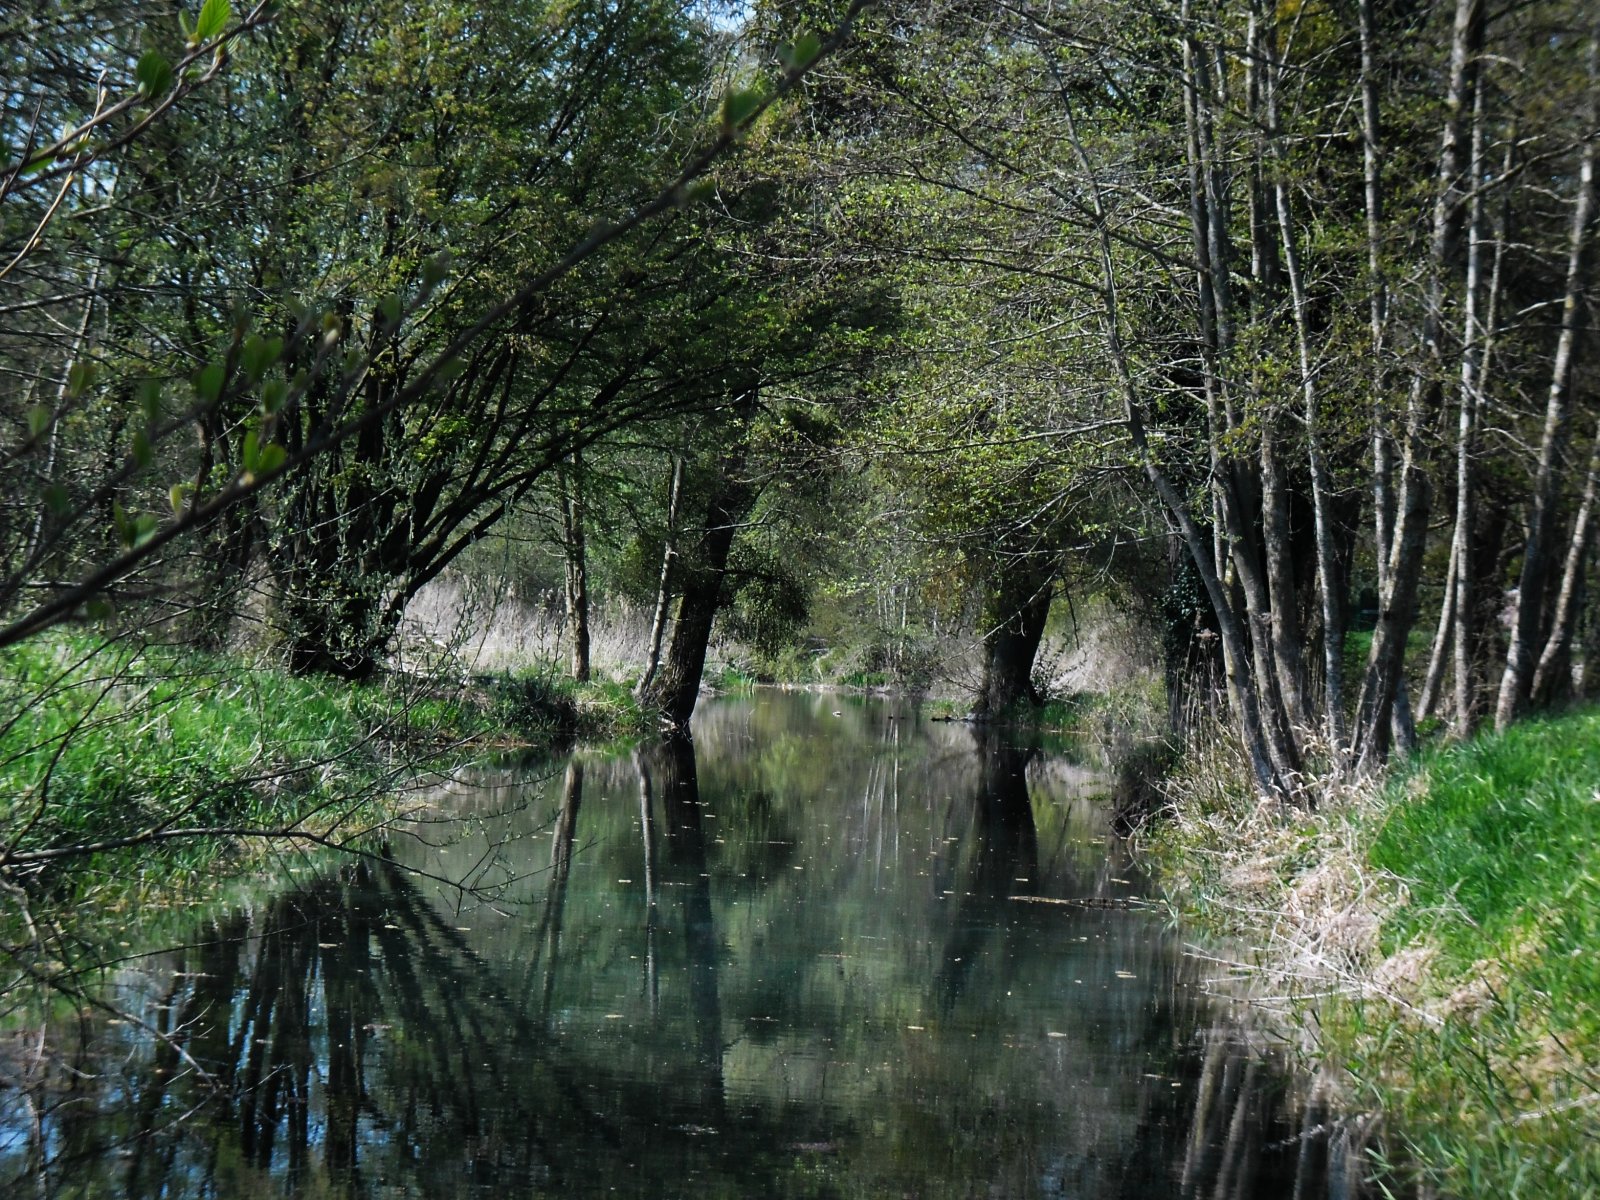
(807, 955)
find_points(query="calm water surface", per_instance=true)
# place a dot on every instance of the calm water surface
(830, 950)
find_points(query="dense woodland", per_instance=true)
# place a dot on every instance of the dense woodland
(1272, 322)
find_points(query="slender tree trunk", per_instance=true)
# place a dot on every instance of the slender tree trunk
(1526, 633)
(1329, 576)
(669, 551)
(1241, 687)
(1398, 599)
(1288, 658)
(1477, 354)
(1557, 648)
(1444, 635)
(1378, 299)
(1235, 490)
(572, 527)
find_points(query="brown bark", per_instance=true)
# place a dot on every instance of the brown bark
(702, 572)
(1014, 616)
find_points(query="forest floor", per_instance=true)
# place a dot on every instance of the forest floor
(1433, 937)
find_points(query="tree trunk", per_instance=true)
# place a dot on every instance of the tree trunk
(1443, 641)
(1266, 758)
(702, 572)
(1546, 687)
(1398, 599)
(669, 551)
(1329, 577)
(1526, 632)
(1014, 615)
(1378, 298)
(1234, 491)
(572, 528)
(1477, 352)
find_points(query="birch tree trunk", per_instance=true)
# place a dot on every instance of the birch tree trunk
(1558, 647)
(1526, 633)
(1241, 686)
(1398, 598)
(577, 572)
(1329, 576)
(669, 551)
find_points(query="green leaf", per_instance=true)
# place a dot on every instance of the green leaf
(39, 418)
(177, 494)
(250, 452)
(448, 370)
(57, 499)
(435, 270)
(150, 400)
(153, 74)
(271, 457)
(273, 393)
(801, 53)
(258, 354)
(213, 19)
(738, 106)
(144, 528)
(390, 307)
(80, 377)
(699, 191)
(141, 449)
(208, 381)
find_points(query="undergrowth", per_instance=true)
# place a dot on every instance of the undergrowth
(107, 740)
(1431, 936)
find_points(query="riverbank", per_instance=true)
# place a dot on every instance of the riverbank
(141, 768)
(1432, 936)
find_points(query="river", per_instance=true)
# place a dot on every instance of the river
(832, 949)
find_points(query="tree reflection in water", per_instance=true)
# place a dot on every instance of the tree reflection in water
(770, 972)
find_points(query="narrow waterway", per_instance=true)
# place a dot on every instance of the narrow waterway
(829, 950)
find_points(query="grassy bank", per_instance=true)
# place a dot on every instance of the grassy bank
(1435, 934)
(106, 741)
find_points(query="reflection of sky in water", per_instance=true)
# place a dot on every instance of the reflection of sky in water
(817, 955)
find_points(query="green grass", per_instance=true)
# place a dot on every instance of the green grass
(734, 677)
(1497, 845)
(1136, 709)
(106, 739)
(1460, 902)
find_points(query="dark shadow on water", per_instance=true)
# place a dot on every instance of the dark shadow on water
(789, 961)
